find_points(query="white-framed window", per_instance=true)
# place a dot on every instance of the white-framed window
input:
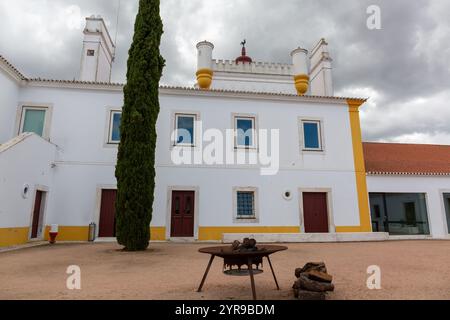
(311, 131)
(245, 204)
(185, 129)
(245, 132)
(34, 119)
(115, 118)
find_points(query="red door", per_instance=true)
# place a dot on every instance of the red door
(107, 225)
(36, 214)
(182, 214)
(315, 212)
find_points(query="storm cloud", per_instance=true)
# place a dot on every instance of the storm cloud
(403, 68)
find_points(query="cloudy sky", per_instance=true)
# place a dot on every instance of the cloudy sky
(404, 68)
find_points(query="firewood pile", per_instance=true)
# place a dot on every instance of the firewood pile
(313, 282)
(248, 245)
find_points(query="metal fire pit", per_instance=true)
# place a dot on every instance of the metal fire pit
(248, 258)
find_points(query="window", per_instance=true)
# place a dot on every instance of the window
(33, 120)
(312, 139)
(245, 204)
(399, 213)
(245, 132)
(114, 127)
(91, 53)
(185, 129)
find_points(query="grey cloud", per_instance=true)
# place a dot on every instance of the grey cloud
(405, 61)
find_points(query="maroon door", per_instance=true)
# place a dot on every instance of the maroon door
(182, 214)
(315, 212)
(36, 214)
(107, 225)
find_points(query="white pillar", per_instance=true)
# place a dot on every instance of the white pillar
(301, 70)
(204, 64)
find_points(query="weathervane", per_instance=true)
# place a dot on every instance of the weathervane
(243, 43)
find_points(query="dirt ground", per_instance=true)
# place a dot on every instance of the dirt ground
(410, 270)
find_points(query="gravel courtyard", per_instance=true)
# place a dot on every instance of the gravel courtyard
(410, 270)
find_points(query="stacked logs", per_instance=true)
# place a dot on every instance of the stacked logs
(248, 245)
(313, 282)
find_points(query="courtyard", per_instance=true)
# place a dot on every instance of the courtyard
(409, 270)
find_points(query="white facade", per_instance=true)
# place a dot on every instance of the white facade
(74, 161)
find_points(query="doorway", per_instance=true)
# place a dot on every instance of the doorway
(315, 212)
(107, 224)
(182, 214)
(38, 215)
(447, 209)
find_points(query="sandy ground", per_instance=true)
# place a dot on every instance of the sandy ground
(410, 270)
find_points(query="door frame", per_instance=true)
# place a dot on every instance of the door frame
(98, 205)
(170, 190)
(42, 214)
(328, 191)
(442, 192)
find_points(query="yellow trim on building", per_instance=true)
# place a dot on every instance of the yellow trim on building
(215, 233)
(13, 236)
(204, 78)
(157, 233)
(360, 170)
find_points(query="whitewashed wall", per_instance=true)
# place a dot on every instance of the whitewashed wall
(433, 187)
(28, 162)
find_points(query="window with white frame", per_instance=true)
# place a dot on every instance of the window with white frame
(33, 120)
(185, 129)
(312, 135)
(115, 119)
(245, 128)
(245, 202)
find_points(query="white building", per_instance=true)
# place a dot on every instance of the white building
(58, 149)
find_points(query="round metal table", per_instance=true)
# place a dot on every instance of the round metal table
(240, 258)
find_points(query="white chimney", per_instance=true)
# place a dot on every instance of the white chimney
(204, 64)
(321, 70)
(98, 51)
(301, 74)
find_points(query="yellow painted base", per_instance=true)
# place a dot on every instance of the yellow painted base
(82, 233)
(215, 233)
(351, 229)
(204, 78)
(157, 233)
(13, 236)
(301, 84)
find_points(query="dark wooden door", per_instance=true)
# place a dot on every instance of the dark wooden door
(36, 214)
(315, 212)
(107, 225)
(183, 208)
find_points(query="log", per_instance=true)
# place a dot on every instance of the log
(305, 283)
(310, 296)
(319, 276)
(318, 266)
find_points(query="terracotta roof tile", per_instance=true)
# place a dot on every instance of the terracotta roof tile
(406, 159)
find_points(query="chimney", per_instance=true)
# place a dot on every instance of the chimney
(301, 74)
(98, 51)
(321, 70)
(204, 64)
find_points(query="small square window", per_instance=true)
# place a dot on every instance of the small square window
(245, 132)
(245, 204)
(91, 53)
(114, 127)
(312, 135)
(185, 129)
(33, 120)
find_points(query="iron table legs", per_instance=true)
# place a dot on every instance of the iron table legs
(252, 280)
(273, 273)
(206, 273)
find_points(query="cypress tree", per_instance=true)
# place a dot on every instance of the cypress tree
(135, 170)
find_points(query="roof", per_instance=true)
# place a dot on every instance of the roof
(406, 159)
(77, 84)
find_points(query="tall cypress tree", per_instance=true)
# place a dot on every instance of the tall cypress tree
(135, 170)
